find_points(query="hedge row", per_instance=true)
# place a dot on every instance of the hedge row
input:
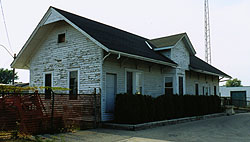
(135, 109)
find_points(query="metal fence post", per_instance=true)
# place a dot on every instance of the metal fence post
(95, 108)
(52, 112)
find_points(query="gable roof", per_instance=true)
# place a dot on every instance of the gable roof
(166, 41)
(107, 37)
(198, 65)
(111, 40)
(170, 41)
(115, 39)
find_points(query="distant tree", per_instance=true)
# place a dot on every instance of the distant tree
(233, 83)
(6, 76)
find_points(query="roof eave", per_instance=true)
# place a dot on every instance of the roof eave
(144, 58)
(193, 52)
(210, 73)
(13, 64)
(163, 48)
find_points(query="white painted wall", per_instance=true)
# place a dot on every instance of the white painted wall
(180, 55)
(77, 53)
(203, 80)
(80, 53)
(153, 77)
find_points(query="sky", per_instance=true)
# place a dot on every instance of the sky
(229, 23)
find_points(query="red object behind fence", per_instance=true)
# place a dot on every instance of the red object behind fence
(31, 113)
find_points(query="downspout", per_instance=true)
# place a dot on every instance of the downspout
(119, 56)
(106, 56)
(101, 84)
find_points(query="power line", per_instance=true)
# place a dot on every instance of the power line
(5, 26)
(7, 50)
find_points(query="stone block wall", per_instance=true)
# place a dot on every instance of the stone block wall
(76, 53)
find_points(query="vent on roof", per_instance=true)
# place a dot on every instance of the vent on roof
(61, 38)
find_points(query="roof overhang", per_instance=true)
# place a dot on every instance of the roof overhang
(46, 24)
(185, 40)
(144, 58)
(207, 72)
(31, 45)
(163, 48)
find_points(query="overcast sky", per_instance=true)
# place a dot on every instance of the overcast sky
(229, 19)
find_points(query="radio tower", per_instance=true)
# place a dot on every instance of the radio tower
(207, 34)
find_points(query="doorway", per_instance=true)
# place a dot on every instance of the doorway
(110, 92)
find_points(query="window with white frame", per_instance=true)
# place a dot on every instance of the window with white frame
(168, 85)
(134, 82)
(73, 82)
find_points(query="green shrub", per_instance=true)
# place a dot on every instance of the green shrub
(134, 109)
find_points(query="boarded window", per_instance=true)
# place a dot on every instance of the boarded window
(197, 89)
(181, 85)
(129, 82)
(73, 84)
(48, 83)
(61, 38)
(169, 85)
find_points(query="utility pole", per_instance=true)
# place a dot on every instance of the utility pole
(207, 34)
(13, 76)
(14, 57)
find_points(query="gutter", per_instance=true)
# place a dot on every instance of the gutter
(211, 73)
(143, 58)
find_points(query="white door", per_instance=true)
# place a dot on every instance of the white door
(110, 92)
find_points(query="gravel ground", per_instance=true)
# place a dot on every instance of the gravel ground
(235, 128)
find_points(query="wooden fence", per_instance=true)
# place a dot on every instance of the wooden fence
(32, 113)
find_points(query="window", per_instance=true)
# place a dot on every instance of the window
(181, 85)
(206, 91)
(197, 89)
(215, 90)
(73, 84)
(209, 91)
(138, 82)
(134, 82)
(61, 38)
(203, 90)
(48, 83)
(169, 85)
(129, 82)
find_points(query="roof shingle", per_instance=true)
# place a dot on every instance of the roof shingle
(115, 39)
(197, 63)
(166, 41)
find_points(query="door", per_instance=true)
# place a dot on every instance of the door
(48, 83)
(110, 92)
(238, 98)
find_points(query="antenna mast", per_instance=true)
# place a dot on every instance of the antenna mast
(207, 34)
